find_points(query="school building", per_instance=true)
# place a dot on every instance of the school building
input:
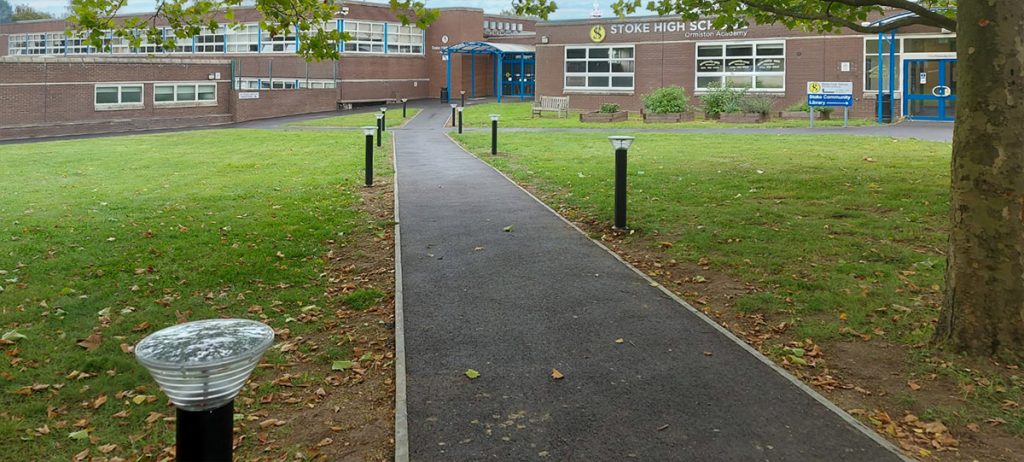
(52, 84)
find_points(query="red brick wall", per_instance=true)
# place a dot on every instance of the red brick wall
(279, 103)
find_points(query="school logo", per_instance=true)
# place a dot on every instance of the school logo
(597, 33)
(814, 87)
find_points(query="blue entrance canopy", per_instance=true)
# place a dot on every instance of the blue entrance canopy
(522, 54)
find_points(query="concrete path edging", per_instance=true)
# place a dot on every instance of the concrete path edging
(726, 332)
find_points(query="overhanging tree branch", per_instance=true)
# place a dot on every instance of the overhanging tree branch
(937, 18)
(852, 25)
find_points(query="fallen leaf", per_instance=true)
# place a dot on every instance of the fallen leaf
(507, 229)
(620, 340)
(79, 435)
(99, 401)
(91, 342)
(139, 399)
(472, 373)
(913, 385)
(341, 365)
(555, 374)
(708, 353)
(107, 448)
(324, 442)
(13, 336)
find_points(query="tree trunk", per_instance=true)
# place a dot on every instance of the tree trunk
(984, 306)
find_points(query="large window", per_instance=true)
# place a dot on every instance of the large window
(757, 66)
(285, 42)
(244, 39)
(119, 96)
(599, 68)
(871, 64)
(405, 39)
(367, 37)
(210, 41)
(197, 93)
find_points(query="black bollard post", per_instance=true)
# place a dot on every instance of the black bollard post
(205, 435)
(621, 144)
(404, 100)
(494, 134)
(384, 119)
(368, 134)
(460, 120)
(462, 95)
(453, 105)
(380, 122)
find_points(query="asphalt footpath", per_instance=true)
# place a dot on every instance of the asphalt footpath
(496, 282)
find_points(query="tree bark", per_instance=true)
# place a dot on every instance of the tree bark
(984, 301)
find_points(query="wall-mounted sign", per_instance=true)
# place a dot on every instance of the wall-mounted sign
(703, 28)
(709, 65)
(844, 66)
(739, 65)
(248, 95)
(830, 93)
(597, 33)
(444, 39)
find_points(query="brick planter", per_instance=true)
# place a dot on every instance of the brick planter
(802, 115)
(742, 118)
(674, 117)
(604, 117)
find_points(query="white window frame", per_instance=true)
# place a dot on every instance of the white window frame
(399, 37)
(119, 105)
(195, 91)
(586, 75)
(753, 74)
(901, 55)
(363, 34)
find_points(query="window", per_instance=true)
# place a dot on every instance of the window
(405, 39)
(367, 37)
(285, 42)
(210, 41)
(244, 39)
(758, 66)
(599, 68)
(126, 96)
(871, 64)
(198, 94)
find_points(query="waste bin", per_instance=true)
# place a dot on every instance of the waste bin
(886, 108)
(444, 94)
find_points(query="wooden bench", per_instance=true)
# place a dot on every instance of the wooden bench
(559, 104)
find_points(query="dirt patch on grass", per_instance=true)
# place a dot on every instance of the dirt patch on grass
(333, 400)
(875, 380)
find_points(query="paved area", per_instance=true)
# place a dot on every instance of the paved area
(514, 305)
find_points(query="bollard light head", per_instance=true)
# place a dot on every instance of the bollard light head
(202, 365)
(462, 92)
(368, 131)
(460, 108)
(405, 99)
(621, 142)
(453, 105)
(383, 109)
(380, 116)
(494, 117)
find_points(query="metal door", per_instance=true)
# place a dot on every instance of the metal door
(929, 88)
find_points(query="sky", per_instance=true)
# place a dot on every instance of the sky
(567, 9)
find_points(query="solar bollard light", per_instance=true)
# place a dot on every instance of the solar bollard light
(404, 100)
(380, 125)
(201, 366)
(621, 145)
(460, 118)
(494, 134)
(453, 105)
(368, 133)
(462, 95)
(384, 119)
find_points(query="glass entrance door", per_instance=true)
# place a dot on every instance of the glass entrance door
(518, 78)
(930, 89)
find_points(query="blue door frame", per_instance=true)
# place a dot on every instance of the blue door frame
(942, 93)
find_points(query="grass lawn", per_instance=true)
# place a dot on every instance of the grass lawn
(368, 119)
(519, 115)
(110, 239)
(845, 245)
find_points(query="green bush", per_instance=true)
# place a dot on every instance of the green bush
(721, 99)
(803, 107)
(759, 104)
(667, 100)
(608, 108)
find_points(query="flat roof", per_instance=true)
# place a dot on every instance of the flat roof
(91, 59)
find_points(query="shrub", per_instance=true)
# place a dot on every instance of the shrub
(760, 104)
(720, 99)
(608, 108)
(798, 107)
(803, 107)
(667, 100)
